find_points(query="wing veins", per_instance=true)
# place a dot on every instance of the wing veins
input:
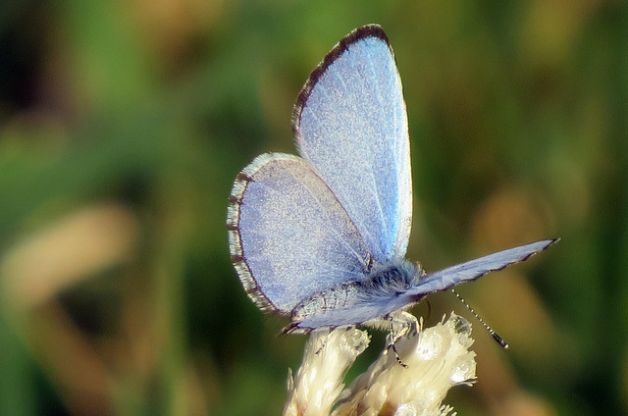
(375, 130)
(331, 267)
(339, 237)
(335, 231)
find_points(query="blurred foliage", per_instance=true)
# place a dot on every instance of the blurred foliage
(123, 124)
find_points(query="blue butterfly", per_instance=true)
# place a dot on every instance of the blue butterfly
(322, 237)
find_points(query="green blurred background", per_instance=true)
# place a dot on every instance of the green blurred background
(123, 124)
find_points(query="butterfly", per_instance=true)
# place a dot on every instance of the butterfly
(322, 237)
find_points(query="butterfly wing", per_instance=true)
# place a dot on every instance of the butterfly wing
(474, 269)
(363, 303)
(350, 123)
(358, 311)
(289, 237)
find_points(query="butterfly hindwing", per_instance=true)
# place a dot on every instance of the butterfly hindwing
(288, 235)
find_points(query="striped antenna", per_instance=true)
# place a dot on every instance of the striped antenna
(490, 330)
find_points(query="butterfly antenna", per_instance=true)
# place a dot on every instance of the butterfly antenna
(490, 330)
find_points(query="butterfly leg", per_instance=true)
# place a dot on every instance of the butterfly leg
(402, 324)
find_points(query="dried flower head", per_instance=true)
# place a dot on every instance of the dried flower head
(436, 359)
(319, 381)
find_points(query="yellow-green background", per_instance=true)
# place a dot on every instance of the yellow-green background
(123, 124)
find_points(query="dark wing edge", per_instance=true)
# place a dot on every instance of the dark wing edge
(237, 256)
(362, 32)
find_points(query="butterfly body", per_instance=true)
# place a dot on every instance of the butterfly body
(385, 290)
(322, 237)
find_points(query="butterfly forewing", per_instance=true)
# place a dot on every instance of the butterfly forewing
(289, 236)
(350, 122)
(474, 269)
